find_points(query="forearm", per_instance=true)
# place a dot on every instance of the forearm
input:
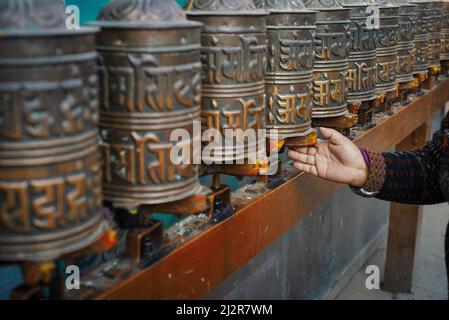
(404, 177)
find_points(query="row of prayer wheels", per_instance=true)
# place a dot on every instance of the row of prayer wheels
(145, 69)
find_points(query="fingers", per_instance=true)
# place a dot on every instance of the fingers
(306, 150)
(305, 155)
(304, 159)
(333, 136)
(306, 168)
(326, 132)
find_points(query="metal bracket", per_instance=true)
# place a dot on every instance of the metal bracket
(143, 240)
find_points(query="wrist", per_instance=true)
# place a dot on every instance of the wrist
(361, 178)
(362, 174)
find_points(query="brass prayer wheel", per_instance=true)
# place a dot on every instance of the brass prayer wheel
(421, 37)
(445, 33)
(434, 28)
(406, 44)
(387, 50)
(233, 54)
(290, 36)
(331, 59)
(50, 174)
(150, 86)
(362, 54)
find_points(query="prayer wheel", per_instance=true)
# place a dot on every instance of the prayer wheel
(331, 59)
(421, 38)
(50, 171)
(233, 54)
(435, 14)
(362, 54)
(406, 44)
(150, 75)
(445, 34)
(387, 50)
(290, 36)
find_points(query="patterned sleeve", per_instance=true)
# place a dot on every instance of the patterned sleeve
(409, 177)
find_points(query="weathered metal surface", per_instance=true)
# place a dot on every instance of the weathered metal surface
(331, 59)
(445, 32)
(193, 270)
(50, 175)
(421, 37)
(434, 28)
(150, 85)
(234, 60)
(290, 36)
(387, 49)
(406, 44)
(362, 54)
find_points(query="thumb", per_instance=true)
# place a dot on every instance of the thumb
(333, 136)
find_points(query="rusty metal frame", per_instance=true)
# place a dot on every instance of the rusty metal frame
(194, 269)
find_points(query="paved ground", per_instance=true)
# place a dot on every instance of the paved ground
(430, 273)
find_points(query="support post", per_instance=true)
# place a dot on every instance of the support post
(405, 221)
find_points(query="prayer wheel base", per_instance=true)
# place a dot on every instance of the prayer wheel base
(309, 140)
(445, 68)
(386, 101)
(148, 240)
(138, 217)
(42, 280)
(195, 204)
(422, 78)
(239, 170)
(70, 245)
(364, 111)
(407, 90)
(432, 79)
(342, 124)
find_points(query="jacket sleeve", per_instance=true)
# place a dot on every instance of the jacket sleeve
(408, 177)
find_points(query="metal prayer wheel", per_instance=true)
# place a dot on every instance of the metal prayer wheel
(50, 172)
(362, 55)
(434, 29)
(290, 36)
(421, 37)
(331, 59)
(445, 33)
(233, 54)
(150, 86)
(406, 44)
(387, 50)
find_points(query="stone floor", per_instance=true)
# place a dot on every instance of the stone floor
(429, 282)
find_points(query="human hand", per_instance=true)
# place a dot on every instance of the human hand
(336, 159)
